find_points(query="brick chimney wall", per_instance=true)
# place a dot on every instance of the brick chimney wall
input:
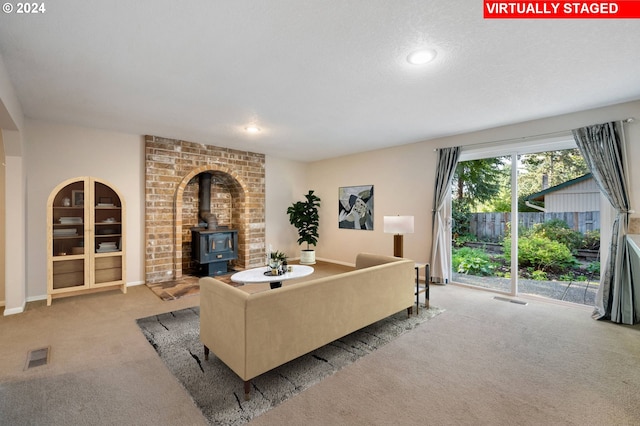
(171, 202)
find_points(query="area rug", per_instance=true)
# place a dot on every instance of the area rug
(218, 391)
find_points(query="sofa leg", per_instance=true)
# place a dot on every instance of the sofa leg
(247, 390)
(206, 353)
(409, 311)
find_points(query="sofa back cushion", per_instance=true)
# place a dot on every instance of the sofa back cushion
(367, 260)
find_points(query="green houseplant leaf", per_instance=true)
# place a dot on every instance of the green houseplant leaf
(304, 216)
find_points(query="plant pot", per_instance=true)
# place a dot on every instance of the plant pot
(308, 257)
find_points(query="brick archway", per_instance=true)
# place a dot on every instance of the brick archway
(170, 166)
(238, 221)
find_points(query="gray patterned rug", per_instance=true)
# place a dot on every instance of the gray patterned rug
(219, 392)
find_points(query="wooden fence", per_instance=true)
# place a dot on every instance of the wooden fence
(492, 226)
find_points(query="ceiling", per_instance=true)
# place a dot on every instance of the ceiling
(320, 78)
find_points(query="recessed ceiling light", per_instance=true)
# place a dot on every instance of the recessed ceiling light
(421, 57)
(252, 129)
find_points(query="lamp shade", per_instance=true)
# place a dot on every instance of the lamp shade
(398, 224)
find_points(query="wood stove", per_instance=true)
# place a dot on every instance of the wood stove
(213, 249)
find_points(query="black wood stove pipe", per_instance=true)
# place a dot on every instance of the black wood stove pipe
(204, 197)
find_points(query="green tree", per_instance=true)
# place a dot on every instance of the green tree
(478, 181)
(501, 202)
(475, 185)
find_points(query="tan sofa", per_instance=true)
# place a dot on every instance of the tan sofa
(254, 333)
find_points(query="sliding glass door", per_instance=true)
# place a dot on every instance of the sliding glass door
(481, 213)
(527, 221)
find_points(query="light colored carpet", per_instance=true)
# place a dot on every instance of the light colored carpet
(483, 362)
(219, 392)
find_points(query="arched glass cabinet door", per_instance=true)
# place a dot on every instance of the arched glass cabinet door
(85, 237)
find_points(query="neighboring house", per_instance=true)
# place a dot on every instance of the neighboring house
(576, 195)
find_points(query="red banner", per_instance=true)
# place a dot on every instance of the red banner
(625, 9)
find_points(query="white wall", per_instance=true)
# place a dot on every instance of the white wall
(286, 183)
(55, 153)
(11, 126)
(3, 212)
(11, 117)
(15, 247)
(404, 178)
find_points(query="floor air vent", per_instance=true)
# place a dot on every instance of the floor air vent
(37, 357)
(506, 299)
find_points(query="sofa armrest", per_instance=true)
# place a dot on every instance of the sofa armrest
(223, 322)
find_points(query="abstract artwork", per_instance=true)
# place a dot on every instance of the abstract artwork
(355, 207)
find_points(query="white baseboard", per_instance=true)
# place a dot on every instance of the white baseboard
(14, 311)
(44, 297)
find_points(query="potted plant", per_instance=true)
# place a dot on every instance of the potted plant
(277, 262)
(304, 216)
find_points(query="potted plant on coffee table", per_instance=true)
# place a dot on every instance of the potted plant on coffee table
(304, 216)
(277, 262)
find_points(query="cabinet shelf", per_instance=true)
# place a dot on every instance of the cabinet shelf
(67, 257)
(74, 265)
(109, 253)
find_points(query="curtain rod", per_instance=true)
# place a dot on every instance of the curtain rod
(525, 138)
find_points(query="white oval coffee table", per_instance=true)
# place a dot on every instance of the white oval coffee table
(257, 275)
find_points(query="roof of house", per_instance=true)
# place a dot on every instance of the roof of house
(539, 196)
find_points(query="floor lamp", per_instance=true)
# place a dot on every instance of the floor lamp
(398, 225)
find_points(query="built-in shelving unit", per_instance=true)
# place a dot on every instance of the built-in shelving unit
(85, 238)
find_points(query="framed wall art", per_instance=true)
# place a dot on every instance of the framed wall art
(355, 207)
